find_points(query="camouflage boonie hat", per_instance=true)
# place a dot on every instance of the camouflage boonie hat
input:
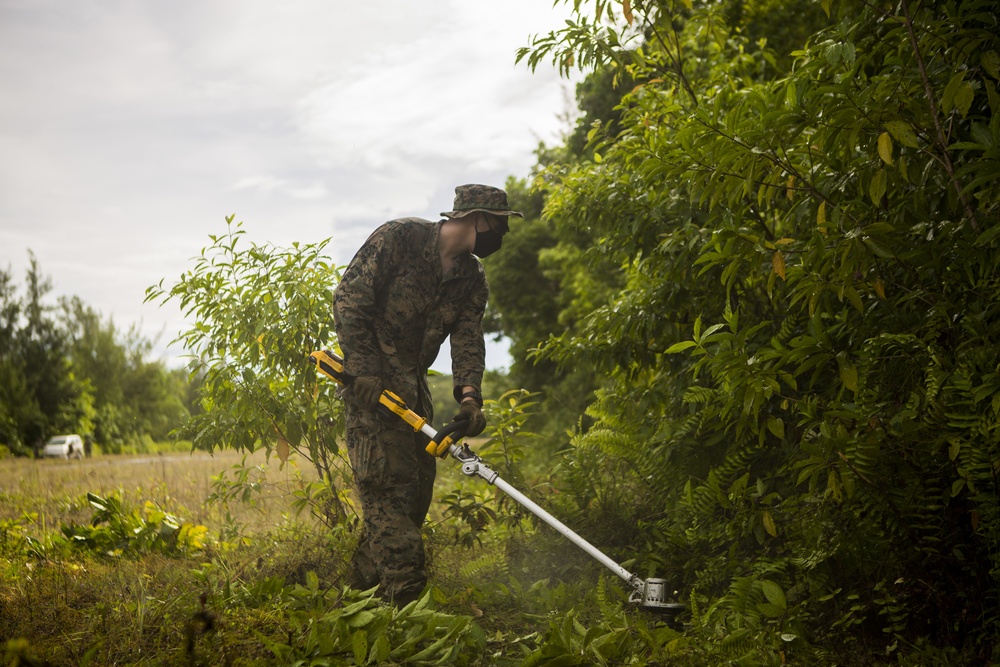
(472, 197)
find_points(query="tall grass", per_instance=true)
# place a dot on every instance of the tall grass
(61, 604)
(266, 575)
(181, 482)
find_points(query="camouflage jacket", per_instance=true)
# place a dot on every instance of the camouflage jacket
(393, 309)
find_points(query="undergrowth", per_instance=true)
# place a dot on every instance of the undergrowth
(139, 584)
(129, 593)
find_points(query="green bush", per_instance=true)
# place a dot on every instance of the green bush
(801, 337)
(118, 530)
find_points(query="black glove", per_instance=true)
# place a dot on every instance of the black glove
(367, 389)
(471, 413)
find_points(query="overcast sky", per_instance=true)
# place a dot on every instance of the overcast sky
(129, 129)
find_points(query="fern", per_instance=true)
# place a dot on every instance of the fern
(491, 563)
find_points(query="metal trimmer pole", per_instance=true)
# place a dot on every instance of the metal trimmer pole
(473, 465)
(648, 593)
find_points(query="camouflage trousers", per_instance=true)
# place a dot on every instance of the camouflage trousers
(394, 477)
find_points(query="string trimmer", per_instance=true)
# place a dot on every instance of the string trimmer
(647, 593)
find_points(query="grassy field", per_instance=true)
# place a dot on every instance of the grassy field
(237, 595)
(178, 482)
(67, 605)
(226, 602)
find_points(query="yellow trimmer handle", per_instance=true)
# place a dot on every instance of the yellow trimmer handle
(446, 437)
(396, 406)
(332, 366)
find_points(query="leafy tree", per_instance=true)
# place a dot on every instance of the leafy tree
(133, 396)
(258, 311)
(42, 395)
(65, 370)
(598, 97)
(523, 299)
(528, 304)
(15, 401)
(803, 343)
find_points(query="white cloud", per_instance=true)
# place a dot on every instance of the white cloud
(130, 128)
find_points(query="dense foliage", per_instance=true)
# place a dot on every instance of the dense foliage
(257, 311)
(64, 369)
(758, 284)
(799, 338)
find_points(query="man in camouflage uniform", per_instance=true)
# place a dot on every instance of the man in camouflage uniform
(412, 284)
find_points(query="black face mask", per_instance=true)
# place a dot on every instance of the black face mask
(487, 243)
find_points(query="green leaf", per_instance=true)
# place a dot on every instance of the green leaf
(993, 99)
(876, 189)
(964, 97)
(293, 432)
(903, 133)
(951, 91)
(885, 148)
(771, 610)
(792, 95)
(773, 593)
(97, 501)
(855, 298)
(380, 651)
(988, 236)
(834, 53)
(359, 646)
(990, 62)
(848, 373)
(711, 330)
(768, 522)
(360, 619)
(680, 347)
(848, 53)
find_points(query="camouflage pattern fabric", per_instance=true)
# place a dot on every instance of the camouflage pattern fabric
(474, 197)
(392, 310)
(395, 479)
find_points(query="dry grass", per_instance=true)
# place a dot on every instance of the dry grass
(179, 483)
(140, 610)
(77, 607)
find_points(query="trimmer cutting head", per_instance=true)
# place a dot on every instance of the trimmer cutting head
(652, 596)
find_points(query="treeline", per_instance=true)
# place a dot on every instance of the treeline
(65, 369)
(758, 287)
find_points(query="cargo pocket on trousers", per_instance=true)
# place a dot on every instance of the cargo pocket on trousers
(367, 452)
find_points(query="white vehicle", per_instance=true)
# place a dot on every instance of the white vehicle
(64, 447)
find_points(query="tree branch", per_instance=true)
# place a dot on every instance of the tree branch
(942, 140)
